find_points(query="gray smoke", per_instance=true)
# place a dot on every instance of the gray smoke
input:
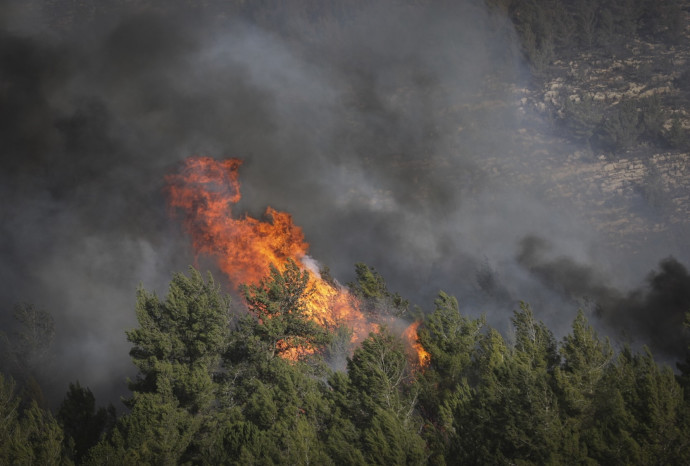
(651, 314)
(371, 124)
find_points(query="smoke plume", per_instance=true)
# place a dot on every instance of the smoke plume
(651, 314)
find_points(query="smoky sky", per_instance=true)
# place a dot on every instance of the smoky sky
(652, 313)
(371, 124)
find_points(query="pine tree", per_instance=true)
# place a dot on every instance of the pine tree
(451, 340)
(371, 288)
(383, 399)
(82, 424)
(278, 301)
(585, 360)
(180, 341)
(177, 348)
(30, 435)
(511, 413)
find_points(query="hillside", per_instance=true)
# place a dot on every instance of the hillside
(621, 117)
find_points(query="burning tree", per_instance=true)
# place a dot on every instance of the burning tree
(262, 258)
(280, 303)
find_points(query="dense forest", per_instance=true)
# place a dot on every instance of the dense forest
(249, 378)
(214, 387)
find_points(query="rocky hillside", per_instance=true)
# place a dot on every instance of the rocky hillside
(615, 139)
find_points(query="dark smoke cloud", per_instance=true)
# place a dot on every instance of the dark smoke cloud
(371, 124)
(84, 221)
(651, 314)
(657, 311)
(562, 274)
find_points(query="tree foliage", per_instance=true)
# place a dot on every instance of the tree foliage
(211, 389)
(81, 423)
(371, 288)
(26, 350)
(28, 435)
(278, 301)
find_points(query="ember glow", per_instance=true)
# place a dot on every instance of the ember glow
(206, 190)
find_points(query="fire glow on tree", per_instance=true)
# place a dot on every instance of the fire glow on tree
(205, 190)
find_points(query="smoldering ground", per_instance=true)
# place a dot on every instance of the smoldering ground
(369, 124)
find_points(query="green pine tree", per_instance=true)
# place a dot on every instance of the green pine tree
(279, 303)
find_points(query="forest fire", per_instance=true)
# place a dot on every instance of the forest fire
(410, 337)
(205, 189)
(245, 247)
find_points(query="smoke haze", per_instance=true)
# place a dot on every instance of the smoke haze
(372, 127)
(651, 314)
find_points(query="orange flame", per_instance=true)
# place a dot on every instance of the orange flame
(410, 336)
(206, 189)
